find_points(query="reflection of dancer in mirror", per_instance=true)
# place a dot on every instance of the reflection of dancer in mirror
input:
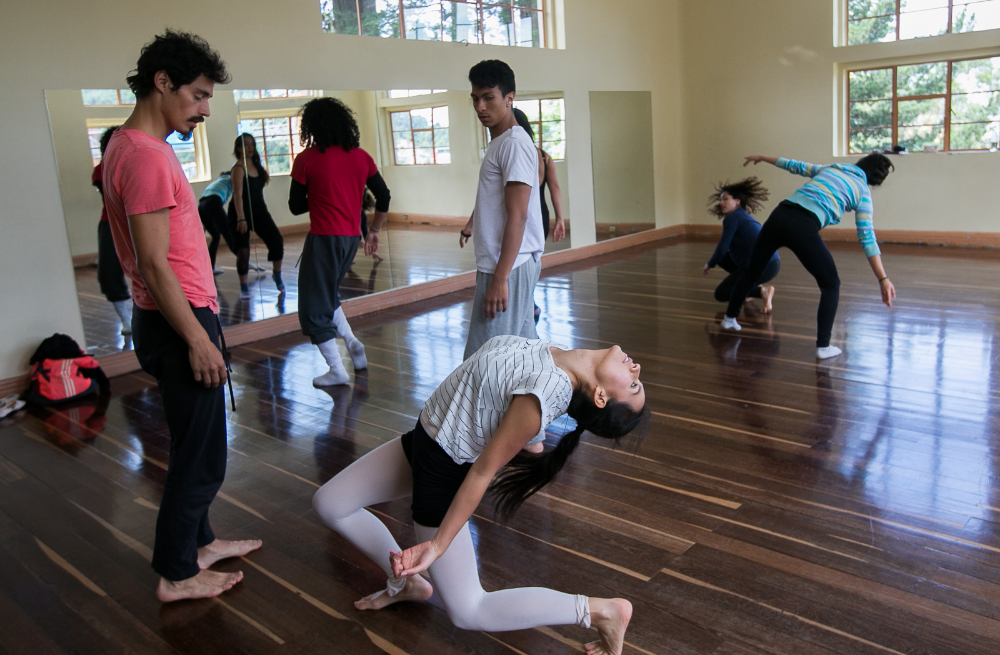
(328, 181)
(109, 270)
(795, 224)
(211, 209)
(734, 203)
(507, 221)
(248, 212)
(154, 220)
(463, 445)
(546, 176)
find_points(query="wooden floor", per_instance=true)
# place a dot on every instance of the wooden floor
(776, 505)
(411, 254)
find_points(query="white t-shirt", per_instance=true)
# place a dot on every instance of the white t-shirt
(511, 157)
(466, 409)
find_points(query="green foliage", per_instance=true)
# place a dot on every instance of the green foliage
(877, 21)
(922, 79)
(871, 84)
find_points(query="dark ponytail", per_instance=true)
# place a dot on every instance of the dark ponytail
(527, 473)
(238, 153)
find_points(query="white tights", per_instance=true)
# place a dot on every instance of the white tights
(383, 475)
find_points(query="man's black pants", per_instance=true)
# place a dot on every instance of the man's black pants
(196, 418)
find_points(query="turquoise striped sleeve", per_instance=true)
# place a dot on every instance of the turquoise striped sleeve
(863, 220)
(798, 167)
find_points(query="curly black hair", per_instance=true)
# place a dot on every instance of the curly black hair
(183, 56)
(493, 72)
(106, 137)
(328, 122)
(876, 167)
(751, 193)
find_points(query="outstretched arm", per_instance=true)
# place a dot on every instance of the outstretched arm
(884, 283)
(756, 159)
(522, 421)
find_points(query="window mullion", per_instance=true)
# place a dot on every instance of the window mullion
(895, 102)
(898, 3)
(947, 97)
(402, 21)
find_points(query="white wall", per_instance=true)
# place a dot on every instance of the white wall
(58, 45)
(761, 78)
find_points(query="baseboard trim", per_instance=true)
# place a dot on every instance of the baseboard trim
(85, 260)
(126, 362)
(294, 228)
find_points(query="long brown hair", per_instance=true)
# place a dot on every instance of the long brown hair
(751, 193)
(238, 153)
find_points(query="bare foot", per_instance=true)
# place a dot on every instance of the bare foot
(766, 296)
(204, 585)
(219, 549)
(534, 447)
(416, 589)
(610, 617)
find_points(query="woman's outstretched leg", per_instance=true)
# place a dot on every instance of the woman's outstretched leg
(382, 475)
(456, 577)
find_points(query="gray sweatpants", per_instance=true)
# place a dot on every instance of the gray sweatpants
(519, 319)
(325, 260)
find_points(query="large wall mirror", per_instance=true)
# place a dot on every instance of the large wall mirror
(427, 143)
(621, 138)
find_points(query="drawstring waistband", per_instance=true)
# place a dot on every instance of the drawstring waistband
(229, 367)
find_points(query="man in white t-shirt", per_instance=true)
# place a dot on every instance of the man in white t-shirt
(506, 225)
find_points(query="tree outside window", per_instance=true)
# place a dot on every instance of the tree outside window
(497, 22)
(266, 94)
(950, 105)
(420, 136)
(548, 120)
(277, 141)
(107, 97)
(874, 21)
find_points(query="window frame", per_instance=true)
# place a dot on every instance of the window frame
(202, 161)
(896, 99)
(413, 142)
(537, 125)
(898, 13)
(544, 37)
(295, 143)
(311, 93)
(118, 94)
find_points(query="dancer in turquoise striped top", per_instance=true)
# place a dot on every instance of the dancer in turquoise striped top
(795, 224)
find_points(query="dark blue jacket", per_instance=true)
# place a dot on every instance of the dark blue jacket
(739, 231)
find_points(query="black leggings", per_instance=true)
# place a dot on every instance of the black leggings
(213, 219)
(260, 222)
(109, 269)
(724, 291)
(797, 229)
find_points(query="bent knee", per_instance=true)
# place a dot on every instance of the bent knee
(326, 502)
(467, 619)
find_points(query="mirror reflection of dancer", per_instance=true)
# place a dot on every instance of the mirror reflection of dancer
(734, 203)
(109, 270)
(328, 180)
(161, 244)
(467, 440)
(795, 224)
(211, 209)
(248, 211)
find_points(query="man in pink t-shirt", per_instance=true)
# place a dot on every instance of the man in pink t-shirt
(161, 244)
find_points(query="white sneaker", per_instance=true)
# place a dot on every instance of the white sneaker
(730, 324)
(828, 352)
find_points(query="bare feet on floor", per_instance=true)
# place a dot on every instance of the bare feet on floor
(610, 617)
(220, 549)
(204, 585)
(416, 589)
(767, 293)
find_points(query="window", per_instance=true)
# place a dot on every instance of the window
(106, 97)
(496, 22)
(409, 93)
(267, 94)
(874, 21)
(950, 105)
(277, 140)
(420, 136)
(192, 154)
(547, 118)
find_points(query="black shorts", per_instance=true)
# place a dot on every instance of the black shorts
(436, 477)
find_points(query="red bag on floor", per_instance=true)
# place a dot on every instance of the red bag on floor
(61, 371)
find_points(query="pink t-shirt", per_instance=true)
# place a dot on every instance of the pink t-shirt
(142, 175)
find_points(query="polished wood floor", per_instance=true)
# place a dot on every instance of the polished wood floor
(411, 254)
(776, 505)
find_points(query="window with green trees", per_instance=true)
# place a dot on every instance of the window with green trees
(495, 22)
(951, 105)
(420, 136)
(277, 141)
(107, 97)
(874, 21)
(548, 120)
(266, 94)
